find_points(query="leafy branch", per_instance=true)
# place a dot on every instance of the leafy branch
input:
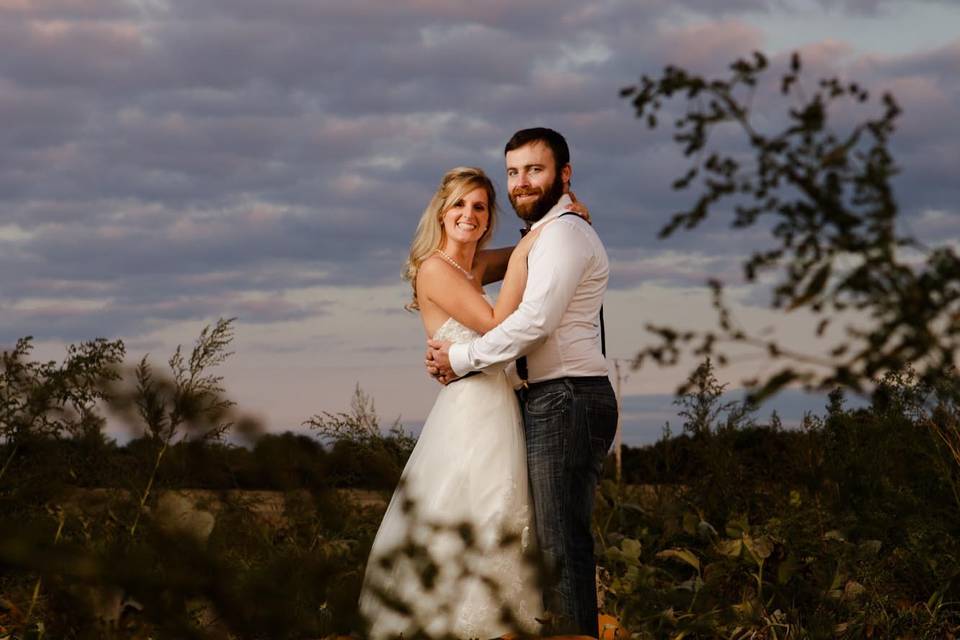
(359, 431)
(827, 199)
(55, 399)
(194, 398)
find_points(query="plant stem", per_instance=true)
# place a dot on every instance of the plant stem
(36, 587)
(760, 583)
(146, 491)
(952, 444)
(6, 464)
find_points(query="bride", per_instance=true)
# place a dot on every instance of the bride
(453, 555)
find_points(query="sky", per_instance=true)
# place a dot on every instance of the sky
(163, 164)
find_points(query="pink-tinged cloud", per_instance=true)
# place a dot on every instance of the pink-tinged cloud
(68, 52)
(944, 61)
(60, 9)
(490, 13)
(923, 85)
(702, 47)
(924, 102)
(344, 133)
(824, 55)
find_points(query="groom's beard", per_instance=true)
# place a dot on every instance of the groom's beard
(530, 212)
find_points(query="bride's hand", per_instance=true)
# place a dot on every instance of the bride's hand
(579, 208)
(526, 243)
(438, 361)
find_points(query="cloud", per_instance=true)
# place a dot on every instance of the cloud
(671, 268)
(870, 7)
(707, 46)
(165, 161)
(83, 319)
(67, 9)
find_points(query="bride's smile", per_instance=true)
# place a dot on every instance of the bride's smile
(466, 221)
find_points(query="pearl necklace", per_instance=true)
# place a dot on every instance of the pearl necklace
(455, 264)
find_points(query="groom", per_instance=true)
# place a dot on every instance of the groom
(569, 409)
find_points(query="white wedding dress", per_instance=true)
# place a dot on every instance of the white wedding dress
(455, 542)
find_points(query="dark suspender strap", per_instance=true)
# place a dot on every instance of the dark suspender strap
(603, 335)
(522, 369)
(522, 360)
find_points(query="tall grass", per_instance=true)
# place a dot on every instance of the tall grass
(844, 528)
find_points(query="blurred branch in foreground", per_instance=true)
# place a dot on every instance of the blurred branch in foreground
(827, 198)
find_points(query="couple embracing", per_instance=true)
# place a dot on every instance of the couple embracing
(499, 477)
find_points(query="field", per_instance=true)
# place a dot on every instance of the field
(844, 528)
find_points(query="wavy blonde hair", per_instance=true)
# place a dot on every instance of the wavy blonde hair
(430, 235)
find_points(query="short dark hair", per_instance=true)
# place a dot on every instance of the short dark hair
(556, 142)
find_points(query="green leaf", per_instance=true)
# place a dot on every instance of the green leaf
(683, 555)
(787, 569)
(871, 547)
(748, 609)
(814, 287)
(737, 526)
(773, 385)
(706, 530)
(838, 579)
(609, 489)
(760, 548)
(730, 548)
(853, 590)
(690, 522)
(631, 548)
(834, 535)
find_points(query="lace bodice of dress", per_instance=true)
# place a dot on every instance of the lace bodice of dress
(455, 332)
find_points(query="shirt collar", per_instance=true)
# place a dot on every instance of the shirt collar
(562, 205)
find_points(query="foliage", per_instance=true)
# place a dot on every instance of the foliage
(701, 407)
(845, 528)
(47, 399)
(89, 546)
(188, 404)
(824, 192)
(364, 456)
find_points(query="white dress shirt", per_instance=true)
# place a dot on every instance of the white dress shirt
(557, 325)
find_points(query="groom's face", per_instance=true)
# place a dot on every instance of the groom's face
(533, 182)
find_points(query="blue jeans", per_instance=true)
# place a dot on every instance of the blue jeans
(569, 424)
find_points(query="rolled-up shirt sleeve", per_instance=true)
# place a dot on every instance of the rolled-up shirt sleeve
(554, 268)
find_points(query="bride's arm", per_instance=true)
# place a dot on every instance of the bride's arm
(445, 287)
(493, 262)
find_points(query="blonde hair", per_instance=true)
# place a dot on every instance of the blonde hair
(430, 234)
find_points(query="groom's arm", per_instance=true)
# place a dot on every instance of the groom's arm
(554, 268)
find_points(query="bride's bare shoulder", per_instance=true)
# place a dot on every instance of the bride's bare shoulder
(435, 272)
(431, 266)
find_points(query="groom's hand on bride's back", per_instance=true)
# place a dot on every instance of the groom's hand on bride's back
(438, 361)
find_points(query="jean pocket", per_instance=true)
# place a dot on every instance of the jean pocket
(550, 401)
(602, 427)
